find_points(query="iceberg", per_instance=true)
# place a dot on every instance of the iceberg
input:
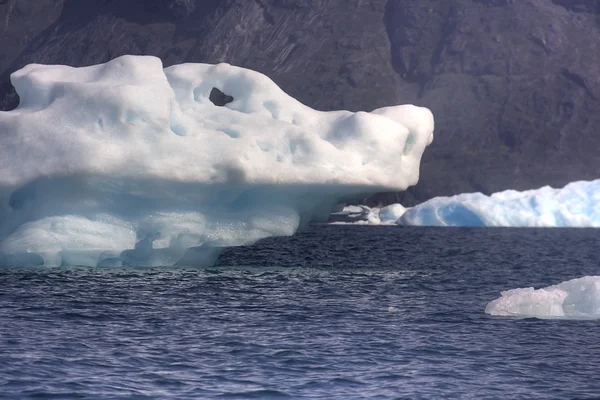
(130, 163)
(575, 205)
(574, 299)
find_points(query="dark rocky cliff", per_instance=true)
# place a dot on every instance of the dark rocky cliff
(514, 84)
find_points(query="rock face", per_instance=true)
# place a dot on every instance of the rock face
(514, 84)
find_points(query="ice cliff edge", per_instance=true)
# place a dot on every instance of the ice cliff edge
(130, 163)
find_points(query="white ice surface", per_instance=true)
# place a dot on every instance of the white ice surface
(355, 215)
(364, 215)
(390, 214)
(575, 205)
(574, 299)
(130, 163)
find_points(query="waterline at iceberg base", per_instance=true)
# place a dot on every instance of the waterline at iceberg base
(127, 163)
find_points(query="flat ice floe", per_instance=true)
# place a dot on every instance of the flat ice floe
(130, 163)
(574, 299)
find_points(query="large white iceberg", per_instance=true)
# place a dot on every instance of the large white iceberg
(574, 299)
(575, 205)
(130, 163)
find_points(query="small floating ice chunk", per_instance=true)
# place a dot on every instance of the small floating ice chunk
(574, 299)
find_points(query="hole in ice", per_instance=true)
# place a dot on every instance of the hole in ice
(232, 133)
(177, 129)
(219, 98)
(146, 243)
(263, 145)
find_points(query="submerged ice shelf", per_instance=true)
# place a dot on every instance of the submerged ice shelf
(130, 163)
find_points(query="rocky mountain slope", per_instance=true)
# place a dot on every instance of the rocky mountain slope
(514, 84)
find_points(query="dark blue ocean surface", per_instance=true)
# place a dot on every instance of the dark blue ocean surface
(338, 312)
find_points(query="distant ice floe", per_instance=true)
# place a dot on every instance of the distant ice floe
(575, 205)
(574, 299)
(127, 163)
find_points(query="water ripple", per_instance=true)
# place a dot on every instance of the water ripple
(316, 326)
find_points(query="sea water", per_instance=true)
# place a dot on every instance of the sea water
(337, 312)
